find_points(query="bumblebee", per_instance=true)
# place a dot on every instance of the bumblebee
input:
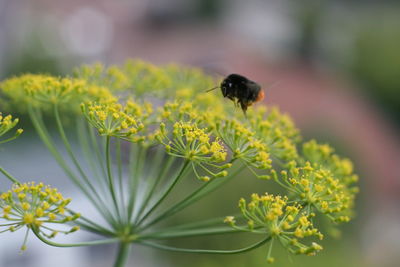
(240, 90)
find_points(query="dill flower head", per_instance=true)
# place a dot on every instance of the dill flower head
(114, 119)
(323, 181)
(136, 75)
(273, 215)
(242, 142)
(44, 90)
(6, 124)
(143, 78)
(277, 131)
(35, 206)
(194, 144)
(323, 155)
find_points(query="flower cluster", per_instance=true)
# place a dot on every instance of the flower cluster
(322, 155)
(320, 189)
(194, 144)
(113, 119)
(138, 77)
(44, 90)
(6, 124)
(174, 111)
(276, 131)
(34, 206)
(272, 215)
(243, 144)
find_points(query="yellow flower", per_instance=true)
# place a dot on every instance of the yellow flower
(43, 91)
(272, 215)
(33, 211)
(323, 181)
(6, 124)
(194, 144)
(113, 119)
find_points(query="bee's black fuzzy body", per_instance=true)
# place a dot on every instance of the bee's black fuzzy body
(242, 90)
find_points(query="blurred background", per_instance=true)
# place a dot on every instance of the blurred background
(334, 66)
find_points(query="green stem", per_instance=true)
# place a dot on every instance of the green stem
(68, 146)
(135, 176)
(175, 181)
(8, 140)
(9, 176)
(87, 149)
(189, 233)
(110, 176)
(206, 251)
(198, 224)
(178, 206)
(123, 254)
(194, 197)
(93, 229)
(72, 156)
(133, 154)
(92, 226)
(124, 212)
(155, 182)
(81, 244)
(46, 139)
(98, 152)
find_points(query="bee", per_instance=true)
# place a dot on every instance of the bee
(240, 90)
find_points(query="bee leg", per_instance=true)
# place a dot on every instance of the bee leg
(244, 107)
(238, 103)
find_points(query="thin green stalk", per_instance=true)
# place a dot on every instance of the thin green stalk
(89, 223)
(198, 224)
(110, 177)
(206, 251)
(8, 140)
(98, 152)
(123, 254)
(119, 159)
(135, 175)
(9, 176)
(270, 249)
(138, 175)
(178, 206)
(174, 182)
(189, 233)
(84, 142)
(100, 158)
(194, 197)
(132, 166)
(93, 229)
(120, 180)
(72, 156)
(156, 180)
(81, 244)
(23, 247)
(44, 135)
(46, 139)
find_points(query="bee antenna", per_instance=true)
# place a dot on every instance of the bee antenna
(209, 90)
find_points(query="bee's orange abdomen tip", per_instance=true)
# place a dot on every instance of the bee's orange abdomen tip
(260, 96)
